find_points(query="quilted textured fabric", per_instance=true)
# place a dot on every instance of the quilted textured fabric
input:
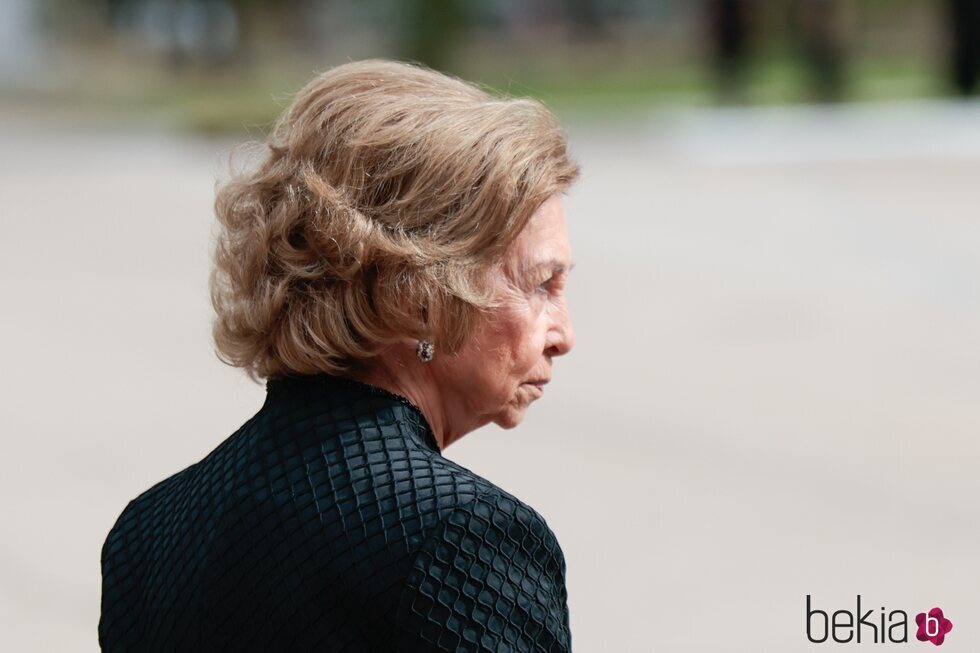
(331, 522)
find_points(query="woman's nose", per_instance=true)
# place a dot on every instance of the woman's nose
(562, 335)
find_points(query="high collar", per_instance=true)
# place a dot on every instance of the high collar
(335, 392)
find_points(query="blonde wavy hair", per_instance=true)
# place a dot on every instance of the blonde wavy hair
(385, 200)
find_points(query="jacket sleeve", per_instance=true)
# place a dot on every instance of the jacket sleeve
(491, 577)
(119, 622)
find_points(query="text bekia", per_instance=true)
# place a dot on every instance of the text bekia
(843, 626)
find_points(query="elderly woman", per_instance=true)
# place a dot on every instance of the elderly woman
(395, 268)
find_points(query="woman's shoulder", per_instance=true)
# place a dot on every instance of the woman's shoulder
(490, 571)
(482, 497)
(445, 494)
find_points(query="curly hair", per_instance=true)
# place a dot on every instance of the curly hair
(384, 202)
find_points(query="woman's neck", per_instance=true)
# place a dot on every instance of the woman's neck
(413, 380)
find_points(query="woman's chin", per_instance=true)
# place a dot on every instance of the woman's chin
(511, 417)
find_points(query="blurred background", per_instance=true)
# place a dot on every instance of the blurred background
(228, 65)
(776, 386)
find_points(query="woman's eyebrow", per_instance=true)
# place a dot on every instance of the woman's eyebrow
(556, 266)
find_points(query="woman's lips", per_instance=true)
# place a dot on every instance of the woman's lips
(538, 386)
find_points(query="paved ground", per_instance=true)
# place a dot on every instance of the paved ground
(775, 392)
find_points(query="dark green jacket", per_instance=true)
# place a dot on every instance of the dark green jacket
(331, 522)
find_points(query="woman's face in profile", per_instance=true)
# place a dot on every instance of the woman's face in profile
(505, 365)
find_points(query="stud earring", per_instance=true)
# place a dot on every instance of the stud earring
(425, 351)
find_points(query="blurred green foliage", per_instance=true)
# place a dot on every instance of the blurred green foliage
(579, 56)
(250, 102)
